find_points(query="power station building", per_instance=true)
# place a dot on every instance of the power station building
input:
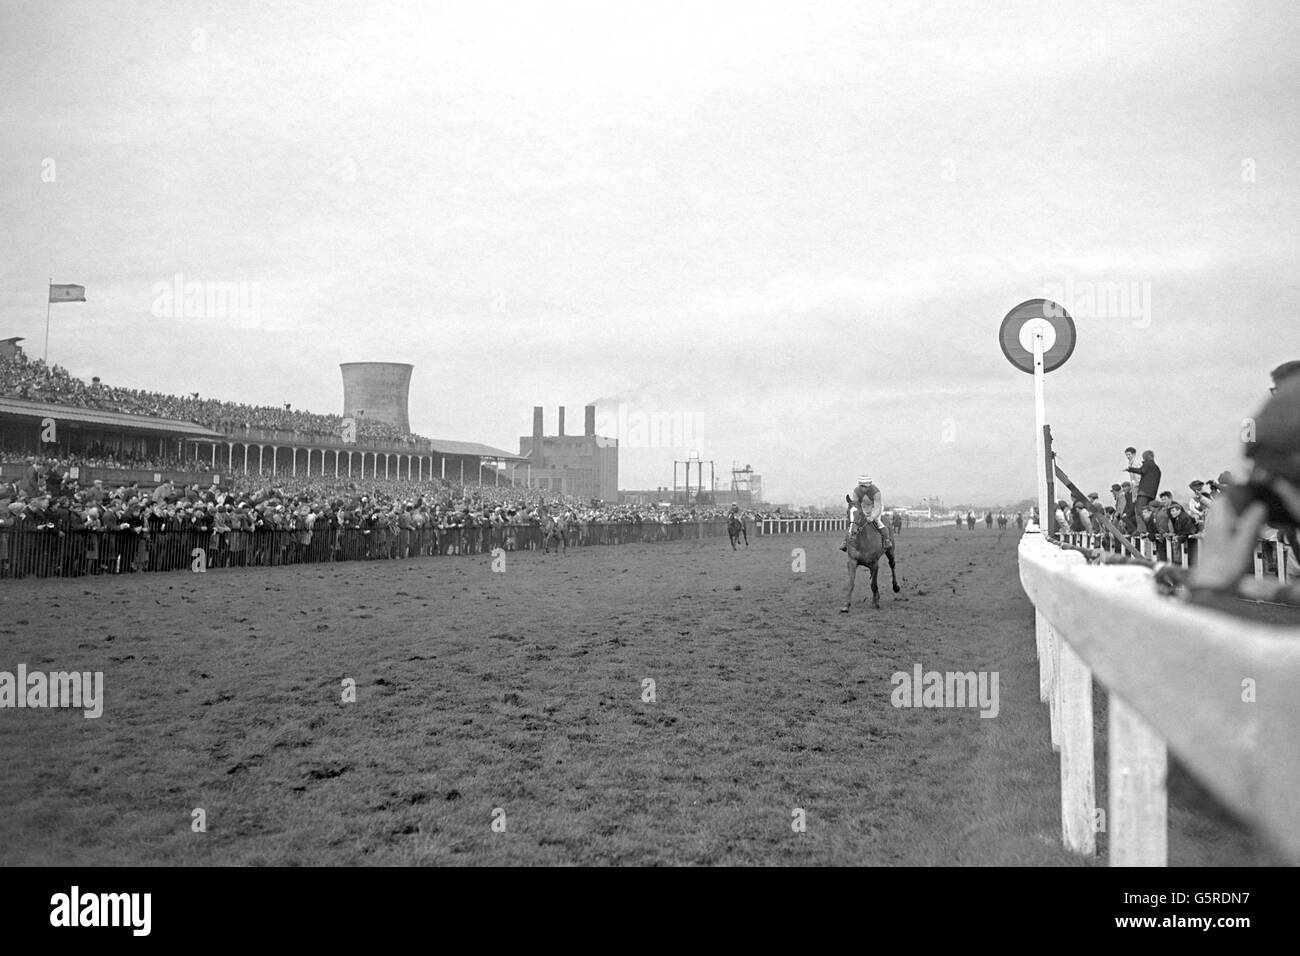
(585, 466)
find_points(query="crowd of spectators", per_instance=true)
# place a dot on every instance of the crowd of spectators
(98, 456)
(391, 518)
(1140, 508)
(33, 380)
(1230, 519)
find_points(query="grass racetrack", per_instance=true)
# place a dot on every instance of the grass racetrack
(523, 690)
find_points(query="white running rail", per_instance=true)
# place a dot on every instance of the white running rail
(1221, 693)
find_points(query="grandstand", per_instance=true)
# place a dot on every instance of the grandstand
(156, 436)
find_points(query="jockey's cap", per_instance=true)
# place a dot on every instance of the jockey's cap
(864, 479)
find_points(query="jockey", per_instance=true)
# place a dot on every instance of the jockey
(869, 502)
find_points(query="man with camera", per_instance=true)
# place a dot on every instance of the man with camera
(1269, 495)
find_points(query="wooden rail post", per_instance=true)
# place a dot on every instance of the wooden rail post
(1049, 681)
(1078, 790)
(1138, 826)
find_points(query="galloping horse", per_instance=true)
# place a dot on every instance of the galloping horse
(865, 548)
(736, 530)
(555, 529)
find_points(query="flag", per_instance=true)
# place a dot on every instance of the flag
(67, 293)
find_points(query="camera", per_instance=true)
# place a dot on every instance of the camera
(1254, 490)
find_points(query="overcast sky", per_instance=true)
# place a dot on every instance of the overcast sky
(796, 226)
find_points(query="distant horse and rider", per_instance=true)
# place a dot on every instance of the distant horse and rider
(736, 528)
(555, 528)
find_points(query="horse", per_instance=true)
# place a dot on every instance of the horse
(736, 530)
(556, 529)
(866, 545)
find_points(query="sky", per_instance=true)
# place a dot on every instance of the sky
(793, 228)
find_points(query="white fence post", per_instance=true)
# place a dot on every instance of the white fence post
(1138, 824)
(1078, 793)
(1054, 704)
(1041, 639)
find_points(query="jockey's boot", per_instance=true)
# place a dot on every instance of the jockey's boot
(886, 535)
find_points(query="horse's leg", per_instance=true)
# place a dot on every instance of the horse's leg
(848, 596)
(892, 574)
(875, 591)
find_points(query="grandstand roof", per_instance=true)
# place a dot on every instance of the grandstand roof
(474, 449)
(92, 416)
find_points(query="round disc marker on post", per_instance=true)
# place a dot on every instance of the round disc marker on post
(1037, 337)
(1016, 336)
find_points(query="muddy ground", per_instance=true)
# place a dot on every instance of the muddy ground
(520, 693)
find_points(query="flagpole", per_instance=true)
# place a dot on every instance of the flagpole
(48, 292)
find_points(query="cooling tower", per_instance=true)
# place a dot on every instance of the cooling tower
(377, 391)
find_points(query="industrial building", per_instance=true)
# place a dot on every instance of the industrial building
(585, 466)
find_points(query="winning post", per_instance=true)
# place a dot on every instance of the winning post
(1037, 336)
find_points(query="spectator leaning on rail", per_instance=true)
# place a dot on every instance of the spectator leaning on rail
(1197, 503)
(1181, 524)
(1148, 485)
(1160, 511)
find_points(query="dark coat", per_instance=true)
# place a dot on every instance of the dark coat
(1149, 480)
(1182, 526)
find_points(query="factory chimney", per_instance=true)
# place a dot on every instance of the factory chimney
(537, 436)
(590, 421)
(561, 421)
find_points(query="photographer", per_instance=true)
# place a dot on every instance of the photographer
(1269, 495)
